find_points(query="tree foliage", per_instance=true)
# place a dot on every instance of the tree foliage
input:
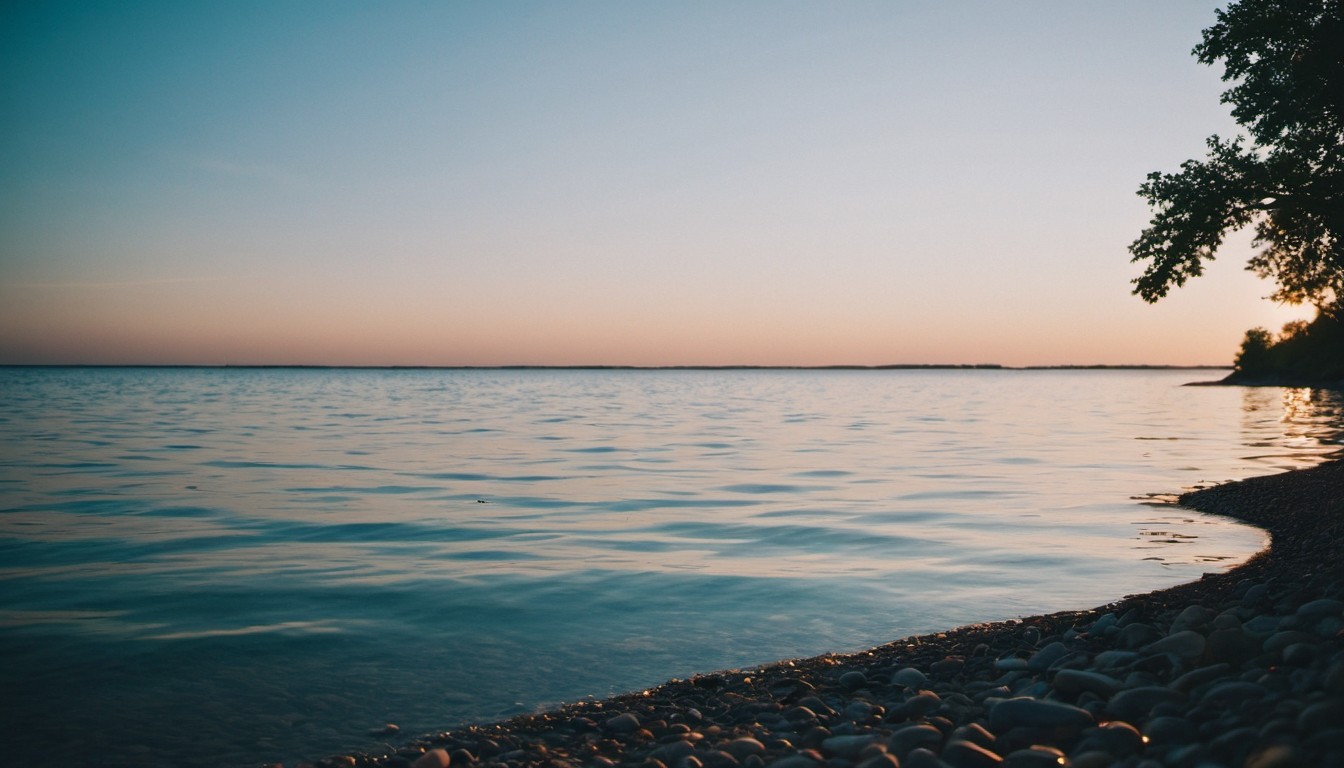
(1307, 353)
(1285, 60)
(1254, 356)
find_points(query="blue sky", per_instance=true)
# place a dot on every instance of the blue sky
(614, 183)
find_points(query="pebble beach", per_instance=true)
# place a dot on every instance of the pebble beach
(1243, 667)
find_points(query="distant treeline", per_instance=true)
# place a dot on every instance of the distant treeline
(889, 367)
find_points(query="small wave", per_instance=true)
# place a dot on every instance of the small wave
(764, 488)
(823, 473)
(479, 477)
(234, 464)
(284, 627)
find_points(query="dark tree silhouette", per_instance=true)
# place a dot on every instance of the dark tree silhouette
(1303, 354)
(1285, 60)
(1254, 356)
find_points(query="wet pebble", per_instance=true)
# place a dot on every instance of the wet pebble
(1037, 713)
(1168, 730)
(1115, 738)
(434, 758)
(949, 665)
(976, 734)
(908, 677)
(922, 758)
(1232, 693)
(853, 680)
(1134, 704)
(1035, 757)
(1076, 681)
(1193, 617)
(1186, 644)
(1042, 659)
(626, 722)
(903, 741)
(965, 754)
(848, 747)
(1137, 635)
(880, 761)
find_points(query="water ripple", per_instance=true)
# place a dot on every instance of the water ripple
(352, 547)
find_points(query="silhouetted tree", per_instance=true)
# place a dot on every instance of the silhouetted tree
(1285, 59)
(1303, 354)
(1254, 357)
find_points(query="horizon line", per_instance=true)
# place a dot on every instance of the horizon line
(602, 367)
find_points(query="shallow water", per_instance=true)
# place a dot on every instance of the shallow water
(236, 566)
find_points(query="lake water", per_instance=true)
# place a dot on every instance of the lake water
(225, 567)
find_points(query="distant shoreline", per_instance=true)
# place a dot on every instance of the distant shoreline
(1238, 379)
(885, 367)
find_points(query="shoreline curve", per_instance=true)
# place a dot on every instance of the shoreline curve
(1243, 667)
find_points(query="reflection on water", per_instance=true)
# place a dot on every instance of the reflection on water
(220, 567)
(1308, 420)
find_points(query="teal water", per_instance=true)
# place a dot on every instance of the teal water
(230, 567)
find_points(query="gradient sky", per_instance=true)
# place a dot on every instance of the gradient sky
(669, 183)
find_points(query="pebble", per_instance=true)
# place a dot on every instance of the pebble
(1035, 757)
(1137, 635)
(800, 760)
(1134, 704)
(1037, 713)
(1187, 644)
(1265, 625)
(908, 677)
(922, 758)
(1321, 607)
(848, 747)
(626, 722)
(1321, 715)
(1103, 624)
(1075, 681)
(912, 737)
(860, 710)
(1116, 738)
(1277, 756)
(1197, 677)
(1095, 759)
(965, 754)
(434, 758)
(1276, 642)
(674, 752)
(1232, 693)
(800, 714)
(853, 680)
(1255, 595)
(1232, 644)
(1114, 659)
(1193, 617)
(1168, 730)
(1042, 659)
(949, 665)
(976, 734)
(924, 703)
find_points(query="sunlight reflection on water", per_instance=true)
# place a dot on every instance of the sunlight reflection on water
(267, 563)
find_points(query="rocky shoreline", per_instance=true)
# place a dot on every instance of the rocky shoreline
(1241, 668)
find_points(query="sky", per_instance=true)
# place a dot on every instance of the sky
(323, 182)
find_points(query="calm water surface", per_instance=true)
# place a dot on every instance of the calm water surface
(206, 567)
